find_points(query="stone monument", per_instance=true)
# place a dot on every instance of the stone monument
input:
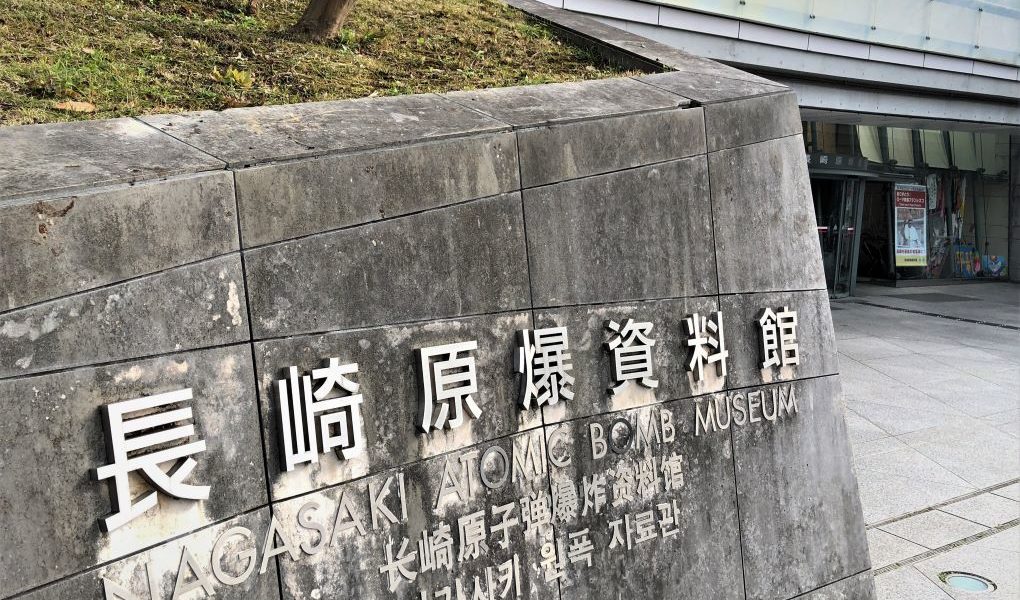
(563, 341)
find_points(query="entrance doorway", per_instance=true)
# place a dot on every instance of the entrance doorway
(876, 255)
(838, 212)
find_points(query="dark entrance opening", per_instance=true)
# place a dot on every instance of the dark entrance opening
(876, 255)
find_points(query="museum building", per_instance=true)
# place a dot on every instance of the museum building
(910, 119)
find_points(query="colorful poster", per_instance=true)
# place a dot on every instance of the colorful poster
(911, 225)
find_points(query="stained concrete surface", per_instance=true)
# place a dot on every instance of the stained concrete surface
(933, 411)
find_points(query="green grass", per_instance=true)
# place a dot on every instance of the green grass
(148, 56)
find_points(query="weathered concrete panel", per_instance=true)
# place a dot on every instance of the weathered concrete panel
(166, 561)
(587, 335)
(389, 386)
(765, 235)
(54, 435)
(63, 157)
(420, 502)
(709, 88)
(561, 102)
(283, 201)
(188, 307)
(692, 553)
(800, 517)
(816, 340)
(249, 136)
(60, 246)
(560, 152)
(635, 234)
(467, 259)
(741, 122)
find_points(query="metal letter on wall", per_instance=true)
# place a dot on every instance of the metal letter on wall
(632, 354)
(312, 422)
(140, 444)
(447, 381)
(543, 361)
(779, 338)
(705, 336)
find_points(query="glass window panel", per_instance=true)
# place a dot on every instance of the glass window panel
(964, 150)
(953, 26)
(870, 147)
(998, 36)
(901, 146)
(933, 148)
(993, 150)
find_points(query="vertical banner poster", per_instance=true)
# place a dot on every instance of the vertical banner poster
(911, 225)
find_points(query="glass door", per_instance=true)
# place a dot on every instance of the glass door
(837, 212)
(849, 239)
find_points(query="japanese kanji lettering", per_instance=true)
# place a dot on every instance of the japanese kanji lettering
(544, 362)
(705, 336)
(448, 382)
(632, 354)
(779, 338)
(313, 422)
(139, 443)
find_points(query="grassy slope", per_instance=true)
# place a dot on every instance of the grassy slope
(143, 56)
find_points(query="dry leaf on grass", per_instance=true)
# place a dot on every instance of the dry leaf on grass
(75, 106)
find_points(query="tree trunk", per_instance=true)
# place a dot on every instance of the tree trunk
(323, 18)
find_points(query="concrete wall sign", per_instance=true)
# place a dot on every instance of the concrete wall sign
(550, 342)
(314, 419)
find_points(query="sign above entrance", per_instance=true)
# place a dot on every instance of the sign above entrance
(822, 160)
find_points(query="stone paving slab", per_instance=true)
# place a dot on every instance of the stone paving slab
(886, 496)
(987, 509)
(857, 586)
(1000, 566)
(1011, 491)
(886, 548)
(933, 529)
(908, 584)
(908, 462)
(67, 157)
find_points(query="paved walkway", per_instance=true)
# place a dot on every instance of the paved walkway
(933, 410)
